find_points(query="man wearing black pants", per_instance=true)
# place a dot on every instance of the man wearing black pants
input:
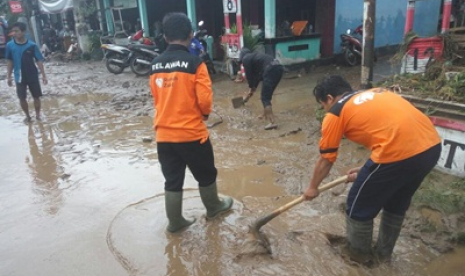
(404, 145)
(183, 97)
(262, 67)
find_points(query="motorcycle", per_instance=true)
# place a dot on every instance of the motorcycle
(352, 46)
(202, 36)
(117, 57)
(141, 62)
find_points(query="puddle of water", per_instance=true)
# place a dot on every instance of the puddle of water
(450, 264)
(75, 182)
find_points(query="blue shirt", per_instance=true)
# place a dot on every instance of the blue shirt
(24, 57)
(196, 47)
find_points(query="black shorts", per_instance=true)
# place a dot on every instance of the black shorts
(34, 87)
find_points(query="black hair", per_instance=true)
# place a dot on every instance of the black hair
(244, 51)
(333, 85)
(20, 25)
(177, 26)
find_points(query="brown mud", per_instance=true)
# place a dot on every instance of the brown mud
(82, 191)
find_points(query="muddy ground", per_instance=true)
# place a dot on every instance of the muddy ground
(82, 191)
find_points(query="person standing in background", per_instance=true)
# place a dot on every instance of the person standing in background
(22, 56)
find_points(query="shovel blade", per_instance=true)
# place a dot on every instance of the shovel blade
(237, 102)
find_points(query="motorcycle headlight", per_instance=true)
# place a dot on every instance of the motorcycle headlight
(348, 31)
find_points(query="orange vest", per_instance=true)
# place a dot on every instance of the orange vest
(182, 94)
(382, 121)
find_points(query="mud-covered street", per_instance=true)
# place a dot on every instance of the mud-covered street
(81, 192)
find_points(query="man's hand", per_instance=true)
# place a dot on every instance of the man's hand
(310, 193)
(10, 81)
(352, 174)
(44, 80)
(205, 117)
(248, 95)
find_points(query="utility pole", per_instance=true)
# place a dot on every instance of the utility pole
(368, 52)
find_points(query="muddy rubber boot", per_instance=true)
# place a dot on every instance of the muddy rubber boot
(359, 238)
(268, 113)
(389, 230)
(173, 207)
(213, 204)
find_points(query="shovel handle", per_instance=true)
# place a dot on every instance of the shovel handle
(264, 220)
(322, 188)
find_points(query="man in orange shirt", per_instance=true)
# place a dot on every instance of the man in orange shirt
(404, 146)
(182, 94)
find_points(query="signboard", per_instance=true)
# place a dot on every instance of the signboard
(452, 159)
(15, 7)
(232, 42)
(229, 6)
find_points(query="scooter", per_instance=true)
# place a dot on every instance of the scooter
(117, 57)
(202, 36)
(352, 46)
(141, 62)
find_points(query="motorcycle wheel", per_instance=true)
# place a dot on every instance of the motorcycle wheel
(350, 58)
(113, 67)
(138, 68)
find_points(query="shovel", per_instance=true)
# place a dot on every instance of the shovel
(259, 239)
(240, 101)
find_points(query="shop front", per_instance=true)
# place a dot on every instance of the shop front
(295, 32)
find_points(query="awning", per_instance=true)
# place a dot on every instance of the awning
(55, 6)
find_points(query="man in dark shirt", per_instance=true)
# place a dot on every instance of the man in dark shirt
(262, 67)
(48, 37)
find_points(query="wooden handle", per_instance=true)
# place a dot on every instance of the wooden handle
(322, 188)
(264, 220)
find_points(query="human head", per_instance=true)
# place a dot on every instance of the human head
(244, 51)
(329, 88)
(177, 27)
(333, 85)
(18, 30)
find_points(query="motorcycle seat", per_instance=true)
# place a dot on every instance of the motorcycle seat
(142, 46)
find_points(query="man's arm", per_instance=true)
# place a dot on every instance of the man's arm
(248, 68)
(203, 90)
(9, 70)
(40, 64)
(321, 170)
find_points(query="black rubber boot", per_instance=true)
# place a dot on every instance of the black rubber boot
(359, 237)
(389, 230)
(213, 204)
(173, 207)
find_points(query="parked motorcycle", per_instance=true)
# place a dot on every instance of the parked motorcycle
(141, 62)
(202, 36)
(352, 46)
(138, 38)
(117, 57)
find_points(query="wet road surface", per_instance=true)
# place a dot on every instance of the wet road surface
(82, 192)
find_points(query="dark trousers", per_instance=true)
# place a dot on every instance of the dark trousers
(175, 157)
(271, 78)
(389, 186)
